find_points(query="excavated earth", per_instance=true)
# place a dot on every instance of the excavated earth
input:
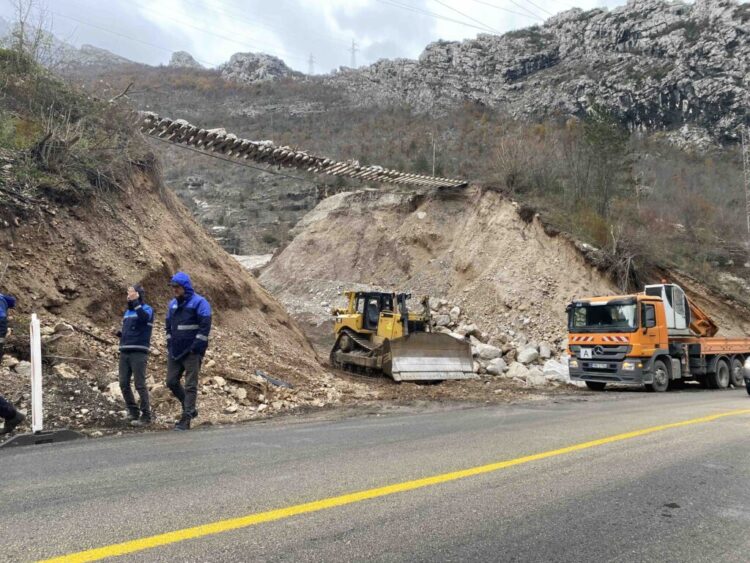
(70, 265)
(507, 273)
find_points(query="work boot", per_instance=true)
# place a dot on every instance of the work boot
(184, 423)
(11, 423)
(145, 420)
(134, 416)
(193, 414)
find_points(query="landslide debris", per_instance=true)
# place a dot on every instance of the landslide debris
(84, 213)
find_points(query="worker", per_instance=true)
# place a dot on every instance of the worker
(135, 344)
(7, 411)
(188, 326)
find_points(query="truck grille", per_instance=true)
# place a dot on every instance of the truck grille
(603, 352)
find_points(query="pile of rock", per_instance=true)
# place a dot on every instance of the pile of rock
(502, 355)
(82, 392)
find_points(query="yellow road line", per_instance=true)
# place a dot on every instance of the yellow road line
(142, 544)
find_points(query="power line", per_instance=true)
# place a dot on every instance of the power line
(433, 15)
(237, 162)
(540, 8)
(255, 22)
(243, 44)
(528, 13)
(466, 16)
(118, 34)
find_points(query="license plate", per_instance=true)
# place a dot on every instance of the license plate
(587, 353)
(598, 365)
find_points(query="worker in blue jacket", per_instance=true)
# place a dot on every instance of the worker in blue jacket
(188, 326)
(7, 411)
(135, 344)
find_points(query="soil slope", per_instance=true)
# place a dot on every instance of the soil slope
(473, 248)
(70, 265)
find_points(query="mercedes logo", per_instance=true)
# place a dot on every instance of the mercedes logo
(598, 351)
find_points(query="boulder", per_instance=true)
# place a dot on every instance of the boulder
(113, 390)
(528, 355)
(23, 369)
(535, 377)
(470, 329)
(545, 351)
(455, 314)
(556, 371)
(485, 351)
(65, 371)
(517, 370)
(497, 366)
(442, 320)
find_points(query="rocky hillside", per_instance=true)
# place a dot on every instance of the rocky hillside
(256, 67)
(78, 224)
(655, 64)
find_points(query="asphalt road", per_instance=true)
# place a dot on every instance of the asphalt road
(678, 494)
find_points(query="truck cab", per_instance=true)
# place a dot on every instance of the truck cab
(615, 339)
(650, 338)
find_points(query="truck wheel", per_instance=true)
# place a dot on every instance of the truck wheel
(737, 375)
(720, 378)
(596, 385)
(661, 378)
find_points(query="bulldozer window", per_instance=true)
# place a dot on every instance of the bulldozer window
(373, 314)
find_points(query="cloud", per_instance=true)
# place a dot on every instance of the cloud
(149, 31)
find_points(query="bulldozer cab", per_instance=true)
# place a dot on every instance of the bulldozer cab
(377, 332)
(370, 306)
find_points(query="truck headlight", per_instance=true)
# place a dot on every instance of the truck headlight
(628, 366)
(573, 363)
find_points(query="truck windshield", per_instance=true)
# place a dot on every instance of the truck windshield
(602, 318)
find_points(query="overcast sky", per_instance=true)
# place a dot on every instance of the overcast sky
(150, 30)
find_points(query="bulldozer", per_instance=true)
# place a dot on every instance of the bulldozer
(377, 334)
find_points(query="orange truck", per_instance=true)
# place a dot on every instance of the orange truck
(656, 338)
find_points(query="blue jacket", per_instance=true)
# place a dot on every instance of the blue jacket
(188, 321)
(6, 302)
(137, 324)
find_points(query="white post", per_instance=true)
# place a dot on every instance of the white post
(37, 412)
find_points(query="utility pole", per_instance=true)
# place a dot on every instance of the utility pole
(432, 136)
(746, 169)
(311, 65)
(353, 52)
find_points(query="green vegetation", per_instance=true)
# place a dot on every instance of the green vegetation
(64, 145)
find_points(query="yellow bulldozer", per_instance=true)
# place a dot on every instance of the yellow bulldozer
(377, 334)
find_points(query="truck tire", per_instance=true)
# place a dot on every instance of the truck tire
(596, 385)
(661, 378)
(737, 373)
(719, 379)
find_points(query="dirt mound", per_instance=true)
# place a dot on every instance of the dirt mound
(474, 248)
(69, 264)
(471, 248)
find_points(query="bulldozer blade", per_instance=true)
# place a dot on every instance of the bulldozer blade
(424, 356)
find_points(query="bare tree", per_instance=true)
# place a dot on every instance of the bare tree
(30, 37)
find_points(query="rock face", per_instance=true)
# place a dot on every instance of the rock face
(655, 64)
(183, 59)
(247, 68)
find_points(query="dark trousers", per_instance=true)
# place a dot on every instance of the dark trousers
(133, 366)
(7, 410)
(190, 367)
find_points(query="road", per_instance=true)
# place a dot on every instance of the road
(680, 493)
